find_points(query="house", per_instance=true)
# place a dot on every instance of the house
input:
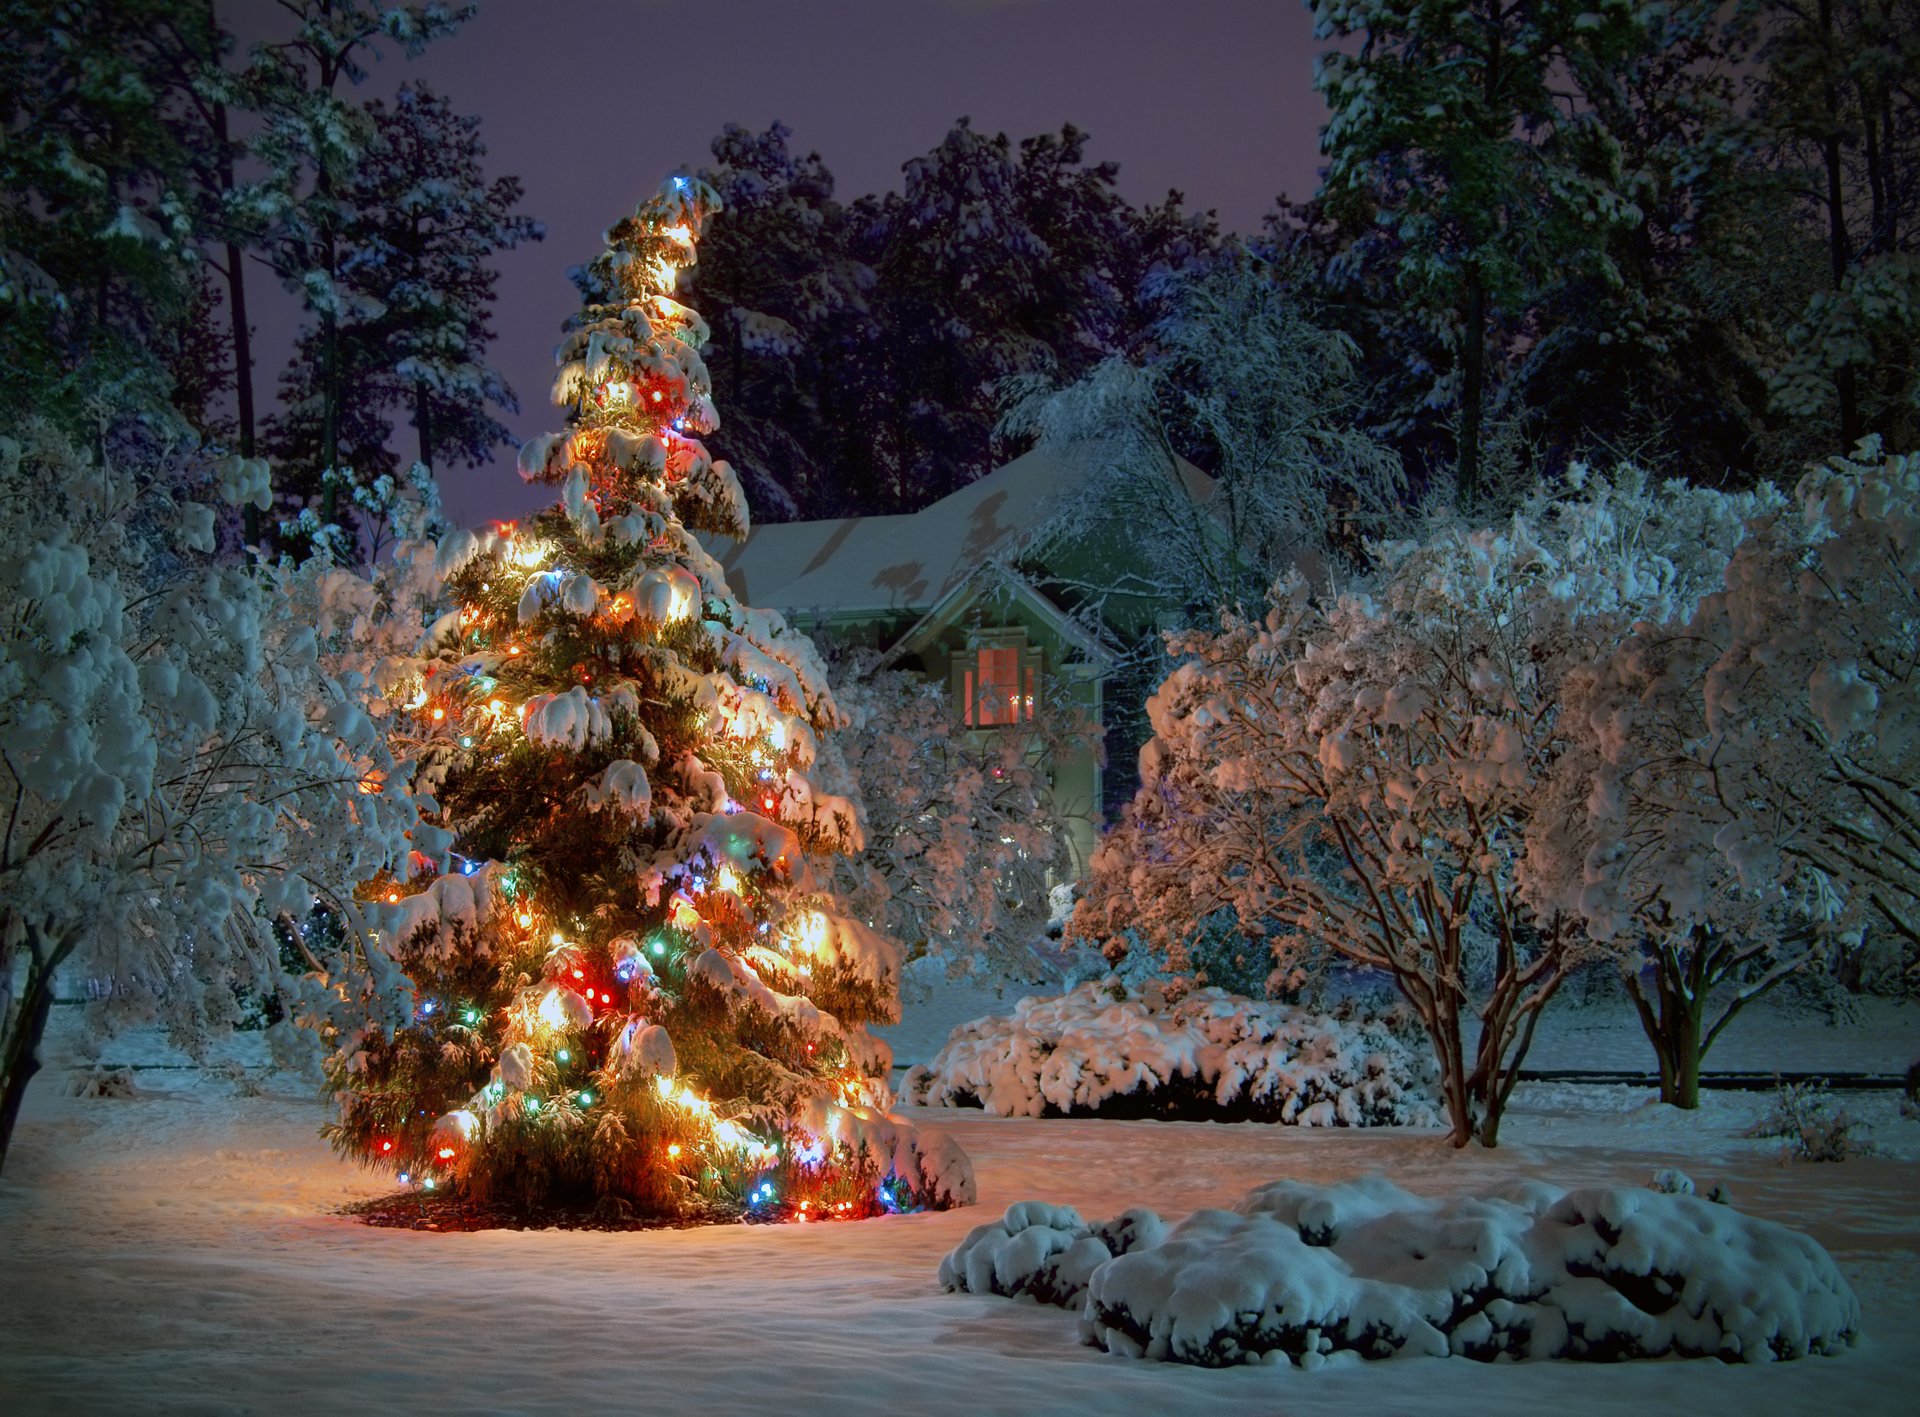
(981, 592)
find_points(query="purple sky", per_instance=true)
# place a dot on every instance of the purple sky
(592, 102)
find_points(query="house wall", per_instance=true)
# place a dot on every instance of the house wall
(1070, 685)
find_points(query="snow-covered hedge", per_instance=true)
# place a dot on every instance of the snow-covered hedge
(1307, 1273)
(1210, 1055)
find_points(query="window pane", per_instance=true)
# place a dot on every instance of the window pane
(999, 685)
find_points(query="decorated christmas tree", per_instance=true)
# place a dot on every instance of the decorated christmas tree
(632, 985)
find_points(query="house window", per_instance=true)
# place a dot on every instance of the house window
(996, 683)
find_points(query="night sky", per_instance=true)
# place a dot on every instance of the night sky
(592, 102)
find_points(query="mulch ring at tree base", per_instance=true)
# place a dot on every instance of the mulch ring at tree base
(424, 1210)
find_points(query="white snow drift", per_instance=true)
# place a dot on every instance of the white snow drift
(1088, 1052)
(1362, 1268)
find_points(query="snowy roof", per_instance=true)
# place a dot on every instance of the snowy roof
(909, 563)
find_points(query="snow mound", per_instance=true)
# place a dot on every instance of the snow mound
(1211, 1055)
(1045, 1251)
(1364, 1269)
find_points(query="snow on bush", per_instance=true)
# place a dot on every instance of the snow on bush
(1211, 1054)
(1045, 1251)
(1363, 1268)
(1355, 775)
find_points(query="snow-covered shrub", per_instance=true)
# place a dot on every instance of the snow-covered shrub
(184, 768)
(1354, 776)
(1096, 1051)
(963, 830)
(1671, 1181)
(102, 1082)
(1307, 1273)
(1735, 789)
(1814, 1126)
(1046, 1252)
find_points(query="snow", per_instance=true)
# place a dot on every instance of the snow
(1085, 1050)
(185, 1256)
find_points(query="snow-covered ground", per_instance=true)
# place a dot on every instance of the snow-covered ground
(177, 1251)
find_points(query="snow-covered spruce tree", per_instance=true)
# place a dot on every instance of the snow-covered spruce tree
(180, 765)
(1354, 776)
(635, 989)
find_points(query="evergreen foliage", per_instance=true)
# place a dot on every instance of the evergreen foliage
(635, 985)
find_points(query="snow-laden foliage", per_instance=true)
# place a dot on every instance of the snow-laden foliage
(1097, 1052)
(182, 766)
(1354, 775)
(962, 829)
(1736, 785)
(1239, 371)
(318, 204)
(1307, 1274)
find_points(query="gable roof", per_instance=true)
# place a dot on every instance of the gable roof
(996, 577)
(882, 565)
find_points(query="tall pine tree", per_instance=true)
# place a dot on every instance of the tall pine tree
(424, 225)
(1450, 137)
(635, 988)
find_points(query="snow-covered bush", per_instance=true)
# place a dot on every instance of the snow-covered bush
(1813, 1126)
(963, 829)
(1046, 1252)
(1210, 1055)
(1736, 782)
(182, 767)
(1363, 1269)
(1354, 776)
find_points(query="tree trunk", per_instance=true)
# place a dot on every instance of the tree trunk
(1675, 1027)
(423, 423)
(329, 359)
(1839, 250)
(21, 1059)
(1473, 357)
(1443, 1027)
(329, 416)
(236, 274)
(1684, 1089)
